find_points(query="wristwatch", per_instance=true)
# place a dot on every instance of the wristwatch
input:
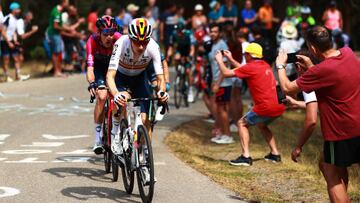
(280, 66)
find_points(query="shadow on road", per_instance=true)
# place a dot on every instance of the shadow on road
(65, 172)
(86, 193)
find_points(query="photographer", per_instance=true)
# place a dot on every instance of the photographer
(260, 78)
(336, 82)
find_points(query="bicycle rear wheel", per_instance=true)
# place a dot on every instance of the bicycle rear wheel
(145, 171)
(126, 171)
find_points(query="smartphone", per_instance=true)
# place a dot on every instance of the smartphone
(280, 95)
(292, 58)
(222, 52)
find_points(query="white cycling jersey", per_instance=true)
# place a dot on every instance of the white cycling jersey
(122, 58)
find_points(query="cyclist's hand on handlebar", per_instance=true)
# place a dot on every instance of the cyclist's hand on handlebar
(121, 98)
(163, 96)
(92, 89)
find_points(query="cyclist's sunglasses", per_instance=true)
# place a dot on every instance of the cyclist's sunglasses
(141, 43)
(108, 31)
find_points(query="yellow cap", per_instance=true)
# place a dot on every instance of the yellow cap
(255, 50)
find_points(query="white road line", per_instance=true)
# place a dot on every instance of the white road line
(159, 163)
(27, 151)
(4, 136)
(44, 144)
(3, 159)
(63, 137)
(1, 143)
(8, 191)
(27, 160)
(80, 151)
(75, 159)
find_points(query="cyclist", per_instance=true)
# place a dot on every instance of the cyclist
(126, 76)
(185, 50)
(98, 50)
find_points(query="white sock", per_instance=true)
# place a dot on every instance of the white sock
(98, 130)
(115, 126)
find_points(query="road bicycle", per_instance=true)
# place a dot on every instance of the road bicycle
(136, 152)
(181, 86)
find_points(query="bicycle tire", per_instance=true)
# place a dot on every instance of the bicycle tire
(107, 150)
(128, 175)
(143, 137)
(115, 169)
(185, 90)
(178, 90)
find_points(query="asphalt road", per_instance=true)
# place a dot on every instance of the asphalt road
(46, 135)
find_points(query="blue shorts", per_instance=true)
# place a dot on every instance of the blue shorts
(6, 51)
(137, 86)
(252, 118)
(55, 44)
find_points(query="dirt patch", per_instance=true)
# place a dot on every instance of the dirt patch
(263, 181)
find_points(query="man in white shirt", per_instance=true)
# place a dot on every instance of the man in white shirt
(9, 42)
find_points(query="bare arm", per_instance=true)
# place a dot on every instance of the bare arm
(110, 80)
(227, 73)
(90, 74)
(166, 71)
(309, 124)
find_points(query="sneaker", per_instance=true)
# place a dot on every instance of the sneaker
(116, 148)
(214, 139)
(273, 158)
(225, 139)
(98, 148)
(190, 96)
(233, 128)
(241, 161)
(9, 79)
(24, 77)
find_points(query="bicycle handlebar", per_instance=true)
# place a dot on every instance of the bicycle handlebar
(92, 98)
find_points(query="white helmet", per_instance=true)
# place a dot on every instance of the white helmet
(140, 29)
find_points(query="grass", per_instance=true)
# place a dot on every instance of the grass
(263, 181)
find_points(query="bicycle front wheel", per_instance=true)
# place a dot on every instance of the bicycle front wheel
(178, 85)
(145, 171)
(126, 171)
(106, 136)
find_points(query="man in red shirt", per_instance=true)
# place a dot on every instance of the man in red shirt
(336, 82)
(262, 86)
(92, 18)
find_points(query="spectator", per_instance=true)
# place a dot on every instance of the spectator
(53, 31)
(108, 11)
(294, 9)
(335, 81)
(332, 17)
(305, 21)
(154, 10)
(25, 30)
(229, 12)
(266, 17)
(290, 44)
(92, 17)
(221, 87)
(237, 46)
(155, 26)
(311, 110)
(198, 20)
(248, 15)
(71, 38)
(120, 18)
(9, 43)
(214, 15)
(179, 16)
(156, 15)
(268, 53)
(131, 13)
(261, 81)
(333, 21)
(167, 25)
